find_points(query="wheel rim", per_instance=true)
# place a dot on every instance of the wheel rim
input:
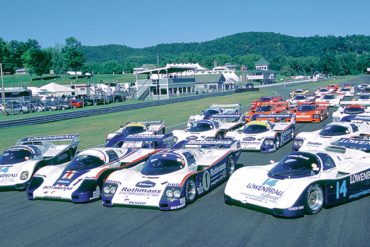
(277, 143)
(315, 199)
(190, 190)
(231, 166)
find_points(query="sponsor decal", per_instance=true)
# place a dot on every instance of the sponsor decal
(173, 185)
(112, 182)
(64, 188)
(359, 177)
(206, 181)
(68, 174)
(296, 208)
(270, 182)
(145, 184)
(4, 169)
(362, 193)
(217, 170)
(266, 189)
(140, 191)
(11, 175)
(211, 142)
(50, 138)
(249, 138)
(136, 203)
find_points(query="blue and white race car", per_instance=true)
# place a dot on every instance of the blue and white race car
(81, 179)
(265, 135)
(147, 141)
(209, 128)
(306, 141)
(20, 162)
(302, 182)
(225, 109)
(349, 109)
(132, 128)
(172, 179)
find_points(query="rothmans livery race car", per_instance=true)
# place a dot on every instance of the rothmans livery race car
(349, 109)
(144, 127)
(20, 162)
(265, 135)
(174, 178)
(208, 128)
(147, 141)
(330, 99)
(81, 179)
(225, 109)
(314, 140)
(302, 182)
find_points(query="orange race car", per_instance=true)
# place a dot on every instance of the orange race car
(267, 108)
(265, 100)
(310, 112)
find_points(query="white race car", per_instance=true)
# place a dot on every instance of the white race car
(294, 102)
(350, 109)
(81, 179)
(225, 109)
(207, 129)
(346, 91)
(265, 136)
(131, 128)
(20, 162)
(308, 141)
(302, 182)
(171, 179)
(332, 100)
(322, 91)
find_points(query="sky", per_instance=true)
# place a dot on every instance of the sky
(144, 23)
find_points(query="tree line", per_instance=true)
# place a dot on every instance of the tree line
(287, 55)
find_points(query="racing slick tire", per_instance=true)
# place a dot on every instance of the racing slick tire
(277, 143)
(230, 166)
(190, 191)
(314, 199)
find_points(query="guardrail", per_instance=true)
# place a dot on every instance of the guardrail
(105, 110)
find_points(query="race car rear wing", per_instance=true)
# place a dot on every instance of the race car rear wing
(227, 106)
(148, 141)
(226, 143)
(356, 119)
(359, 143)
(274, 117)
(148, 123)
(355, 102)
(74, 138)
(228, 118)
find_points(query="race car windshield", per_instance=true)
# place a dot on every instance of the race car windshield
(334, 130)
(161, 164)
(295, 165)
(265, 99)
(211, 112)
(304, 108)
(299, 97)
(264, 108)
(134, 129)
(200, 127)
(254, 129)
(345, 89)
(323, 90)
(14, 156)
(84, 162)
(328, 96)
(364, 97)
(354, 110)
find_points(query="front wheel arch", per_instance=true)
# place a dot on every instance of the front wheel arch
(314, 199)
(190, 190)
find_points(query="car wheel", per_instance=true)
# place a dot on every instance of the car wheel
(277, 143)
(190, 191)
(314, 199)
(292, 134)
(163, 130)
(231, 166)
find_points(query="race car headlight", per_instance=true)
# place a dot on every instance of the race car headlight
(177, 193)
(24, 175)
(316, 116)
(110, 189)
(113, 190)
(269, 142)
(169, 193)
(298, 142)
(106, 189)
(336, 119)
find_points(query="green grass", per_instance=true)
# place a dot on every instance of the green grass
(93, 130)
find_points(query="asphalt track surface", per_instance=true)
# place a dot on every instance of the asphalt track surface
(207, 222)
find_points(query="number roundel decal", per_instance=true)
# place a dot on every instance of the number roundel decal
(206, 181)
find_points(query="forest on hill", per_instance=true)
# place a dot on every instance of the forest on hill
(287, 54)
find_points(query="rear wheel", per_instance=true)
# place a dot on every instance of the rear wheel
(190, 191)
(314, 199)
(277, 143)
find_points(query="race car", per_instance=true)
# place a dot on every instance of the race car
(293, 102)
(206, 129)
(299, 91)
(264, 135)
(264, 100)
(349, 109)
(310, 112)
(267, 108)
(322, 91)
(332, 100)
(144, 127)
(81, 179)
(306, 141)
(20, 162)
(172, 179)
(302, 182)
(346, 91)
(225, 109)
(147, 141)
(333, 87)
